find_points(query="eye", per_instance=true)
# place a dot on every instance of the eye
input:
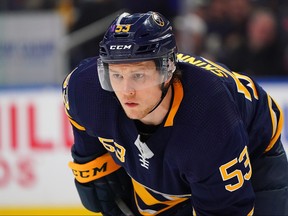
(137, 76)
(116, 76)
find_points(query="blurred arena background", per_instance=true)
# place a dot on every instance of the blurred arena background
(43, 40)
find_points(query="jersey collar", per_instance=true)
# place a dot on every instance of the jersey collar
(178, 96)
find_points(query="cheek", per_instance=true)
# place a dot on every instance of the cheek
(153, 95)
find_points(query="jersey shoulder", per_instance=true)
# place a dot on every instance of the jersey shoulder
(209, 118)
(206, 95)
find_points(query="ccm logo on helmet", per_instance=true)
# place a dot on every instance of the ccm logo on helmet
(120, 47)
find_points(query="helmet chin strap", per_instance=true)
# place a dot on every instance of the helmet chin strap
(164, 92)
(164, 89)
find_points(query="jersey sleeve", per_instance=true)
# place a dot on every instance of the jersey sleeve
(73, 92)
(215, 154)
(262, 116)
(228, 189)
(218, 167)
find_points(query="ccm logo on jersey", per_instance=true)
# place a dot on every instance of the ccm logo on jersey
(120, 47)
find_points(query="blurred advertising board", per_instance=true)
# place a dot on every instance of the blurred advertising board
(35, 142)
(30, 51)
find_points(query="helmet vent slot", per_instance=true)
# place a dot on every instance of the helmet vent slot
(144, 35)
(103, 51)
(146, 49)
(121, 35)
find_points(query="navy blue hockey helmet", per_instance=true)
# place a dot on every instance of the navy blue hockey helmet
(138, 37)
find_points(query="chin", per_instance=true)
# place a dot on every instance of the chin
(135, 116)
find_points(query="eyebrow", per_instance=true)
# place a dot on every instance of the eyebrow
(132, 71)
(113, 71)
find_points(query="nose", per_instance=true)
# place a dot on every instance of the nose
(128, 88)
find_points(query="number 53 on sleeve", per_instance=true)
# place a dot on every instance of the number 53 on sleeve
(236, 173)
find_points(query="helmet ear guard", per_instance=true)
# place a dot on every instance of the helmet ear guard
(166, 65)
(103, 74)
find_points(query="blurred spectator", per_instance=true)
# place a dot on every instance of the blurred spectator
(190, 27)
(190, 32)
(261, 53)
(66, 8)
(26, 5)
(169, 8)
(226, 23)
(217, 21)
(238, 12)
(283, 23)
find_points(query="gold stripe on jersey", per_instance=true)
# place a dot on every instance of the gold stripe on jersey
(273, 116)
(66, 112)
(146, 196)
(250, 84)
(251, 212)
(75, 124)
(178, 96)
(65, 90)
(277, 126)
(240, 87)
(194, 212)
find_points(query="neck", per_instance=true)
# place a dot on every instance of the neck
(157, 116)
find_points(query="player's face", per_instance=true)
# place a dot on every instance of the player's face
(137, 87)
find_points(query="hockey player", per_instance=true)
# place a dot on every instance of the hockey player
(158, 132)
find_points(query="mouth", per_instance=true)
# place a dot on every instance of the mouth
(131, 104)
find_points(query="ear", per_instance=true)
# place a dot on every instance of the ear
(171, 66)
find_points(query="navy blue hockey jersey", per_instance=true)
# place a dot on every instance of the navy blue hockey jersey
(219, 122)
